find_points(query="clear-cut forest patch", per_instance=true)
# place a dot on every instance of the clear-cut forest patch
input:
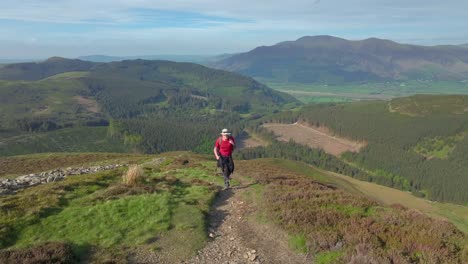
(315, 137)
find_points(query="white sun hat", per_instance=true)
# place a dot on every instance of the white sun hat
(225, 131)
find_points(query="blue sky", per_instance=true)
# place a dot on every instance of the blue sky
(44, 28)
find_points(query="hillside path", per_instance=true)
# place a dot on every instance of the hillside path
(236, 238)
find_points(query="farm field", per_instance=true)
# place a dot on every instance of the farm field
(322, 93)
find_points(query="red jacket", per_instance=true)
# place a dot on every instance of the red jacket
(224, 146)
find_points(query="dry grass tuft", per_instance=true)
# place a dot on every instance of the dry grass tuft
(133, 175)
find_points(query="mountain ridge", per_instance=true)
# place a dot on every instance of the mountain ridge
(33, 71)
(328, 59)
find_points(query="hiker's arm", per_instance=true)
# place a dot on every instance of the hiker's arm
(232, 141)
(215, 151)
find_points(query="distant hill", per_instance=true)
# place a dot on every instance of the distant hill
(164, 101)
(32, 71)
(10, 61)
(332, 60)
(132, 82)
(464, 45)
(176, 58)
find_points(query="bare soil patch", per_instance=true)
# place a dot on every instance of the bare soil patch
(90, 104)
(315, 137)
(42, 110)
(249, 141)
(53, 252)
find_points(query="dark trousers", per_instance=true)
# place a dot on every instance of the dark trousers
(227, 166)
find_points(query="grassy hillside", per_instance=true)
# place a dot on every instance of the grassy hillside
(416, 144)
(97, 218)
(332, 221)
(457, 214)
(104, 219)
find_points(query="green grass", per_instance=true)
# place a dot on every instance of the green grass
(456, 214)
(126, 221)
(31, 205)
(298, 243)
(164, 214)
(328, 257)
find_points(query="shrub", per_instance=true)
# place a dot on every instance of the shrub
(133, 175)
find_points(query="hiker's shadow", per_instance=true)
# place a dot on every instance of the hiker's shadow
(221, 209)
(219, 212)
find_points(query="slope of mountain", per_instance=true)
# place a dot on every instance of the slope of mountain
(331, 60)
(176, 212)
(186, 97)
(138, 83)
(418, 143)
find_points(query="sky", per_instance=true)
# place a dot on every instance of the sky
(72, 28)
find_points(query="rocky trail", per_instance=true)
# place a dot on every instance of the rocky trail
(236, 238)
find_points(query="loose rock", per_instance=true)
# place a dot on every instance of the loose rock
(10, 186)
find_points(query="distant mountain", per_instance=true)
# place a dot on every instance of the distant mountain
(39, 70)
(100, 58)
(176, 58)
(327, 59)
(9, 61)
(464, 45)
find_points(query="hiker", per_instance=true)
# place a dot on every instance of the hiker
(224, 146)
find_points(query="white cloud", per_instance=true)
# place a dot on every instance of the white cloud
(105, 24)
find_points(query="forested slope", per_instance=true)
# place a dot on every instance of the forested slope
(152, 106)
(423, 149)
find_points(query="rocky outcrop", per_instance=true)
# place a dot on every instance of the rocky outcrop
(9, 186)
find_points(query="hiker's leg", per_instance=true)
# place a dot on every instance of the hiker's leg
(231, 165)
(226, 174)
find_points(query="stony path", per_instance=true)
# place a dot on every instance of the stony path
(235, 239)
